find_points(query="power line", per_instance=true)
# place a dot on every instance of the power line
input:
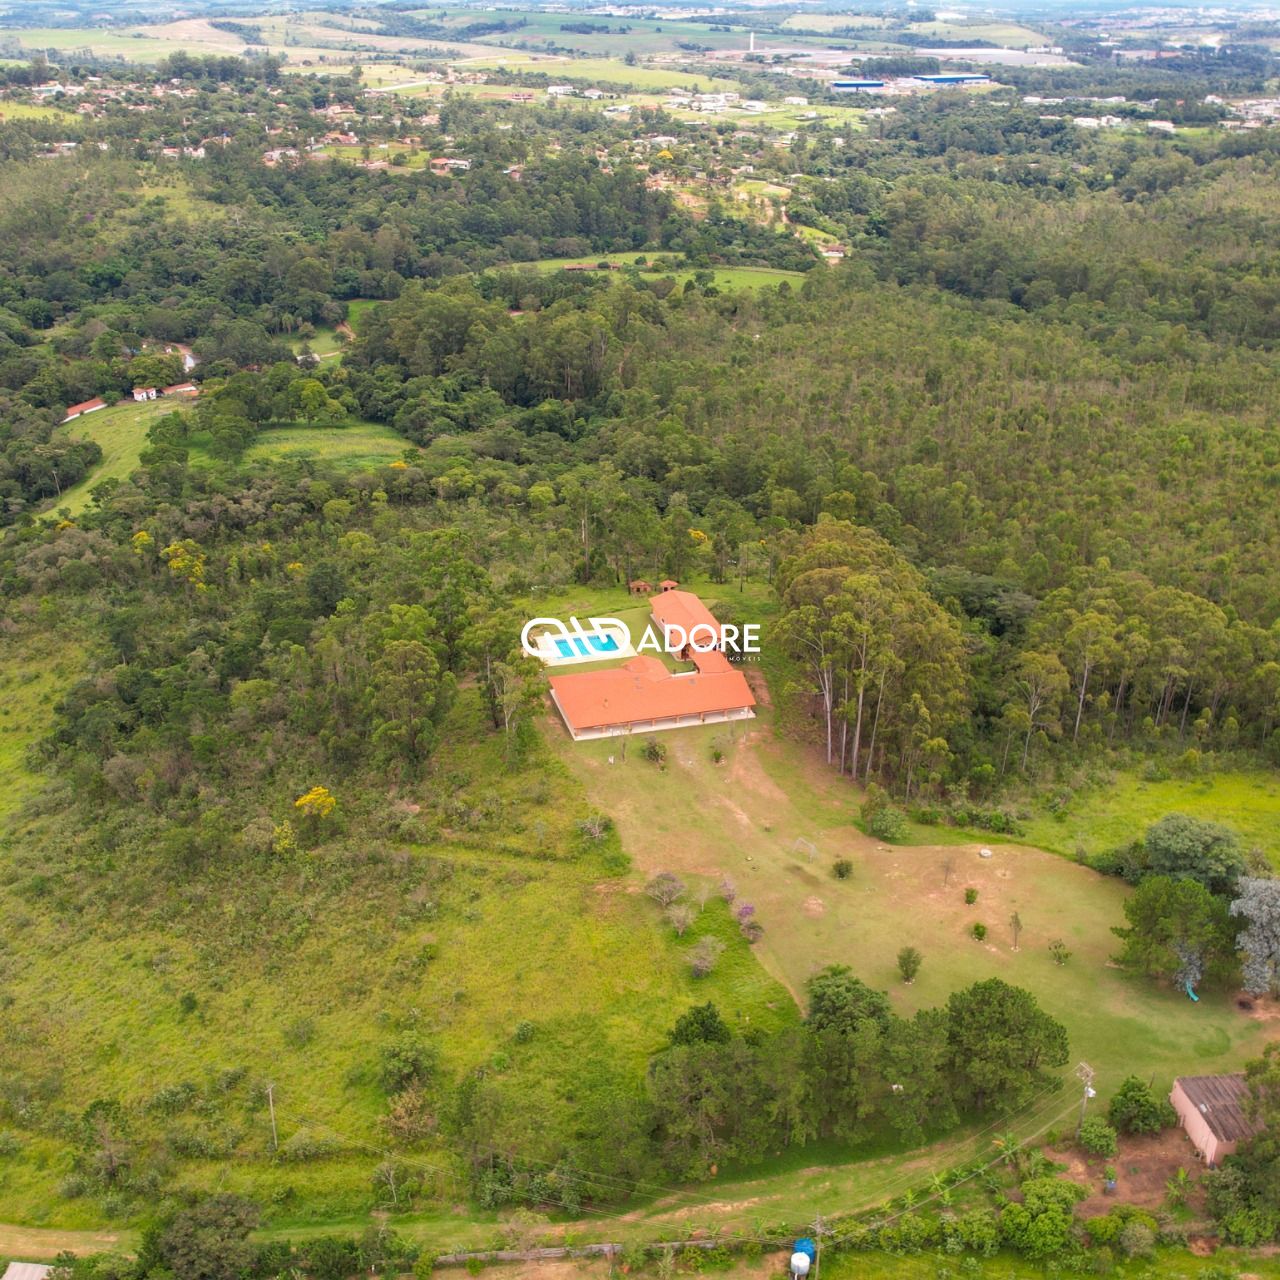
(693, 1199)
(699, 1199)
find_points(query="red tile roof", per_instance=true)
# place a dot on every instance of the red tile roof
(86, 406)
(683, 609)
(643, 690)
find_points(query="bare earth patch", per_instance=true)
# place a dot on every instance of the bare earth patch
(1144, 1164)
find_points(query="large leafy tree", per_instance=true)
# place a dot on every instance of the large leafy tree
(1174, 924)
(841, 1002)
(1258, 902)
(1001, 1045)
(1191, 848)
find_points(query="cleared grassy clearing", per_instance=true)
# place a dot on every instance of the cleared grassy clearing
(121, 430)
(613, 71)
(43, 660)
(1101, 819)
(34, 111)
(596, 972)
(1011, 35)
(353, 445)
(725, 277)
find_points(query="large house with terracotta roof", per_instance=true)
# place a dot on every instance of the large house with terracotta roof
(644, 695)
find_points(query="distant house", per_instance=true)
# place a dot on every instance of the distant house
(88, 406)
(639, 587)
(181, 389)
(668, 584)
(27, 1271)
(1212, 1111)
(144, 393)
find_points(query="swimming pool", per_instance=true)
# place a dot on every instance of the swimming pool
(578, 646)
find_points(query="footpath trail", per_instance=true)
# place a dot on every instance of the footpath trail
(44, 1244)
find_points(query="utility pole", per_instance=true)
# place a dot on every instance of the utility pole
(1084, 1073)
(819, 1228)
(271, 1102)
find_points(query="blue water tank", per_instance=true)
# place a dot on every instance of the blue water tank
(806, 1246)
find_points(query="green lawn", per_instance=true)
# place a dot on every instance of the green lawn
(725, 277)
(1103, 818)
(35, 111)
(121, 430)
(353, 445)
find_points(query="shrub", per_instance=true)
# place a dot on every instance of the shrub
(1058, 950)
(654, 751)
(680, 915)
(842, 868)
(703, 957)
(305, 1146)
(407, 1060)
(1136, 1240)
(888, 824)
(979, 932)
(1136, 1109)
(970, 896)
(595, 826)
(909, 962)
(411, 1118)
(1097, 1137)
(665, 888)
(701, 1025)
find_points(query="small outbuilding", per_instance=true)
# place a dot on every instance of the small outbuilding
(86, 406)
(1212, 1109)
(668, 584)
(27, 1271)
(639, 587)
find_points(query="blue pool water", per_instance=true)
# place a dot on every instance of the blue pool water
(584, 647)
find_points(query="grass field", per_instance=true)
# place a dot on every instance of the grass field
(1009, 35)
(10, 111)
(610, 71)
(725, 277)
(355, 445)
(121, 430)
(598, 974)
(1104, 818)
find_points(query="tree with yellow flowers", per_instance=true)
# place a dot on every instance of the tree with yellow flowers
(316, 804)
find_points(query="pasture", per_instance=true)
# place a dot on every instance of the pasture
(121, 430)
(352, 445)
(598, 974)
(1105, 817)
(724, 277)
(608, 71)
